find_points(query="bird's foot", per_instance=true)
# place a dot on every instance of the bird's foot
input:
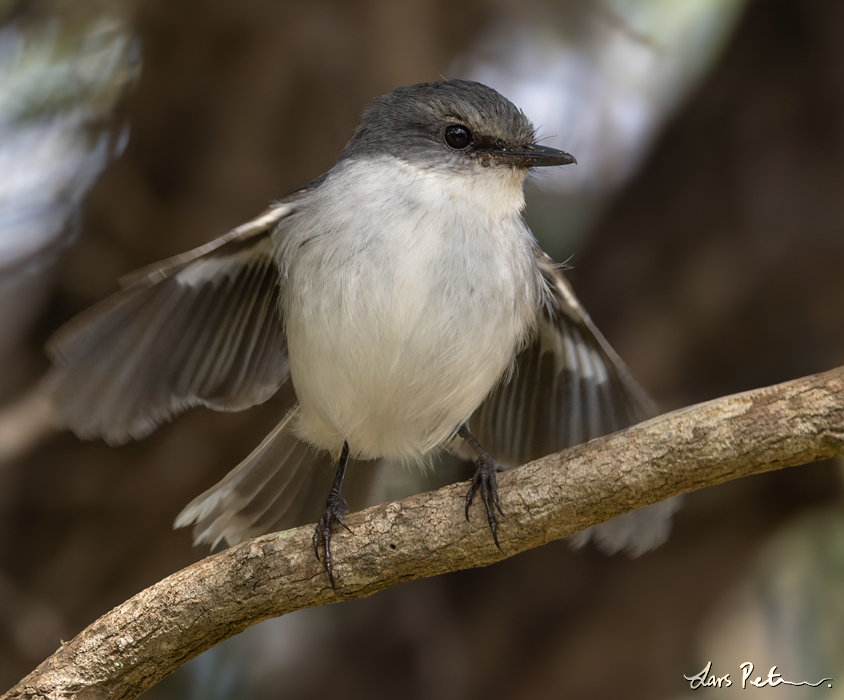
(335, 509)
(485, 482)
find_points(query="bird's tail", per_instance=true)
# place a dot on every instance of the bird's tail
(283, 483)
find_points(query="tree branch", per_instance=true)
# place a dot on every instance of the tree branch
(132, 647)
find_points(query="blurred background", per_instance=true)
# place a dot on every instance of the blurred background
(704, 225)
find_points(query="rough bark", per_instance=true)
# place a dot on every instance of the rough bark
(141, 641)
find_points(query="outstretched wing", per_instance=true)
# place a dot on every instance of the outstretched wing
(201, 328)
(569, 385)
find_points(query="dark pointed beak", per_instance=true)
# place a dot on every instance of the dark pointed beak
(532, 156)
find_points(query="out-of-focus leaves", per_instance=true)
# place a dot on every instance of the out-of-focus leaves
(49, 74)
(598, 79)
(59, 84)
(788, 611)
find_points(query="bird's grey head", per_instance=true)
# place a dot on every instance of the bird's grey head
(456, 124)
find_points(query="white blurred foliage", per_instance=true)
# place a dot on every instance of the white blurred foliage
(55, 92)
(598, 79)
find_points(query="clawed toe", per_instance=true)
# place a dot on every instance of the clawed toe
(335, 509)
(485, 482)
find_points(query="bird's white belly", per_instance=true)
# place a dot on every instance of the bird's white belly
(394, 343)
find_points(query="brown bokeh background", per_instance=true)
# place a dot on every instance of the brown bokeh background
(719, 268)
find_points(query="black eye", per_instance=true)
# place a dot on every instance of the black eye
(457, 137)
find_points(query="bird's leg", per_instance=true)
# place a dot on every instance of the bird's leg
(335, 508)
(485, 480)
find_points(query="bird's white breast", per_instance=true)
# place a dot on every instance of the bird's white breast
(406, 293)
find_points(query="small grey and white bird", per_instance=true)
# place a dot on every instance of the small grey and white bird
(403, 296)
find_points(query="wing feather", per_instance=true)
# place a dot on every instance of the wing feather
(568, 386)
(202, 328)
